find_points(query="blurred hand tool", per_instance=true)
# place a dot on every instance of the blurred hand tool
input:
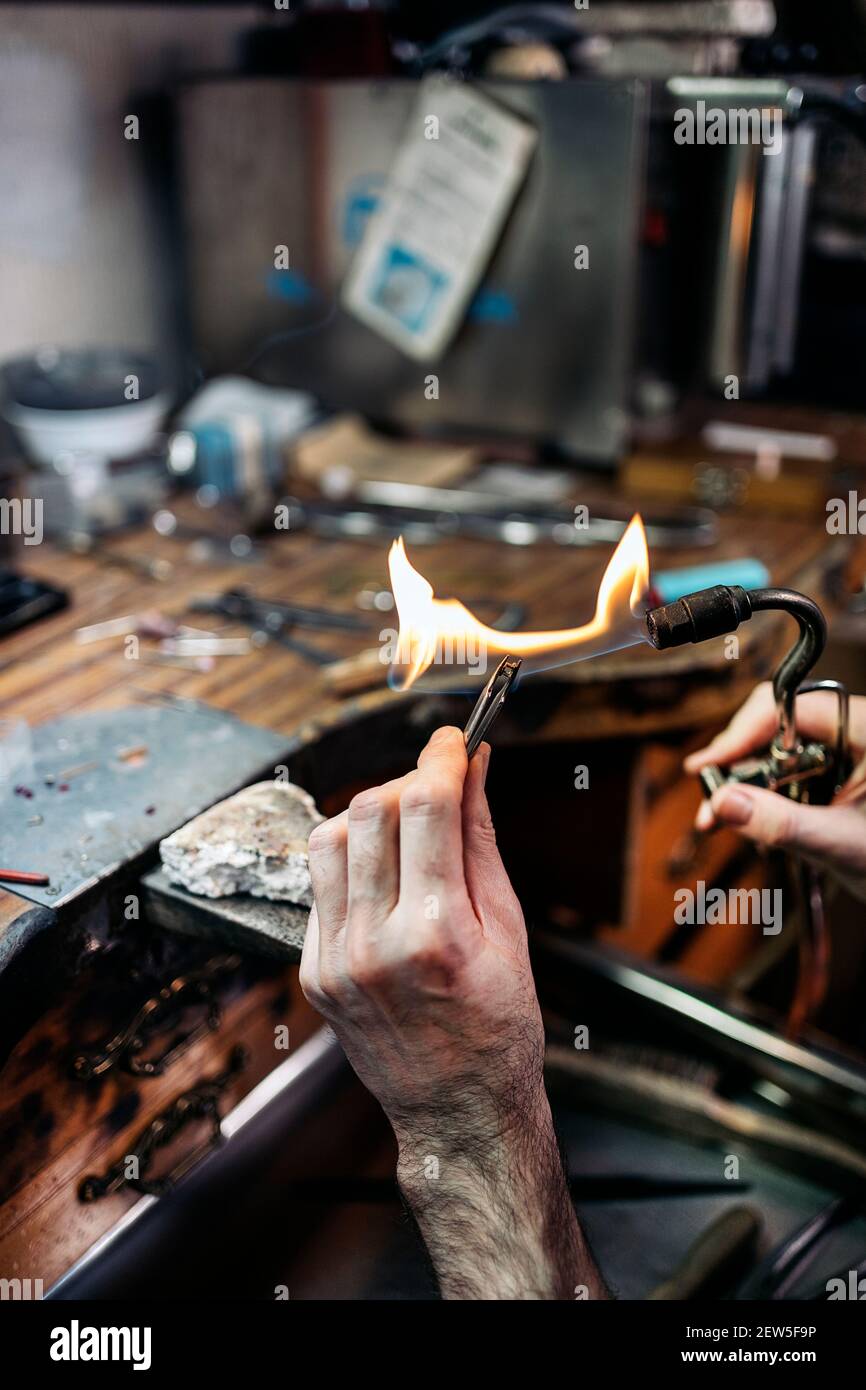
(246, 607)
(776, 1276)
(440, 513)
(718, 1252)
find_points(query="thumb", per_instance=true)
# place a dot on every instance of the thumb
(833, 835)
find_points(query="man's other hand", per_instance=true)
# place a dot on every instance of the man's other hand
(833, 837)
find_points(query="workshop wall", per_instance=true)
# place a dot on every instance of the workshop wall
(82, 257)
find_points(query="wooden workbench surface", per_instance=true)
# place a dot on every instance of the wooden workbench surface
(45, 673)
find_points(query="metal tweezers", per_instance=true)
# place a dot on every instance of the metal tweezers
(490, 702)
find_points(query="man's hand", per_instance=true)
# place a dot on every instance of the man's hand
(834, 837)
(416, 953)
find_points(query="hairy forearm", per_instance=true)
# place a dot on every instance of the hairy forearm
(496, 1215)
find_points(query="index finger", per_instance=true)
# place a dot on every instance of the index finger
(431, 810)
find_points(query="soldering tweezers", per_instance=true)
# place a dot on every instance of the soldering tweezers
(490, 702)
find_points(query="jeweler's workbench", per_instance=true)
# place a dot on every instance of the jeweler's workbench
(46, 674)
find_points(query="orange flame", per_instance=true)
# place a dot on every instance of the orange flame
(443, 631)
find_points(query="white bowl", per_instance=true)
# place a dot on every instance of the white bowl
(116, 431)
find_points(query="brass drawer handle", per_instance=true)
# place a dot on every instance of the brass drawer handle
(202, 1102)
(161, 1010)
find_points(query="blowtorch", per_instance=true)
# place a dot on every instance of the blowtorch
(805, 770)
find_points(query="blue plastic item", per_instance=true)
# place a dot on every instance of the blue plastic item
(672, 584)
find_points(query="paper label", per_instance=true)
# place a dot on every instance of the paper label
(452, 185)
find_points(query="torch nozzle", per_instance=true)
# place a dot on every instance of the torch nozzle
(695, 617)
